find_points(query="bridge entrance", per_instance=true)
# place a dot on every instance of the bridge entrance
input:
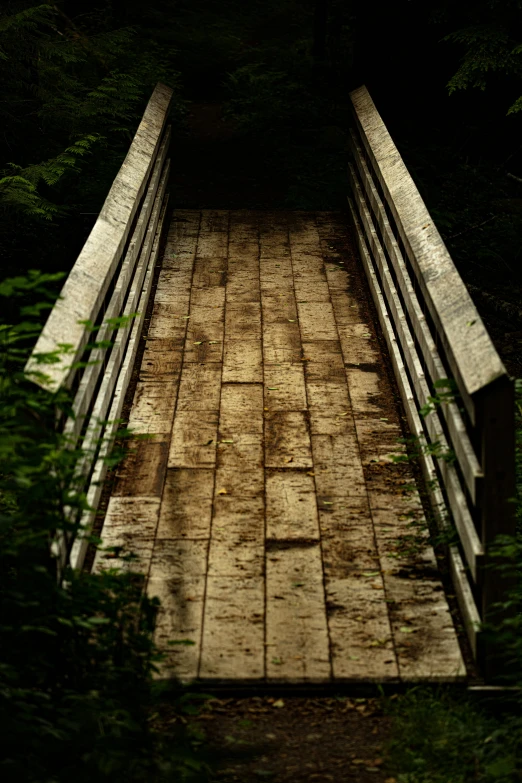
(272, 506)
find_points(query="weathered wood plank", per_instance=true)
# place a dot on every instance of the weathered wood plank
(317, 321)
(243, 321)
(200, 387)
(179, 619)
(210, 271)
(233, 634)
(194, 437)
(186, 506)
(287, 440)
(285, 387)
(241, 410)
(243, 361)
(291, 509)
(142, 471)
(153, 406)
(296, 632)
(130, 528)
(204, 342)
(281, 343)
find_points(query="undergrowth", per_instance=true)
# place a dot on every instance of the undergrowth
(77, 656)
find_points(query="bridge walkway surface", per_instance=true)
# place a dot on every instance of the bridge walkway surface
(269, 506)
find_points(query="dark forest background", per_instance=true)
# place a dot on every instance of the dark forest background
(260, 118)
(261, 114)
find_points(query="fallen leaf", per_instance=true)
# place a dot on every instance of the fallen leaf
(290, 459)
(278, 703)
(310, 473)
(405, 629)
(277, 661)
(292, 320)
(273, 388)
(383, 419)
(226, 441)
(208, 443)
(223, 492)
(199, 342)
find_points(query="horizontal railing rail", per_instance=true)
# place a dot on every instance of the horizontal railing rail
(94, 328)
(456, 392)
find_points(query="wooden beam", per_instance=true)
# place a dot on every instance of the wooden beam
(473, 360)
(86, 286)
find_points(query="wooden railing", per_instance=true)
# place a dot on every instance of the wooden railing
(438, 343)
(102, 304)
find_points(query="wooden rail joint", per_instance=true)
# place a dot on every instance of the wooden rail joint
(434, 332)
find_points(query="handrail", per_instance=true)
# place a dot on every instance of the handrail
(434, 333)
(84, 290)
(110, 281)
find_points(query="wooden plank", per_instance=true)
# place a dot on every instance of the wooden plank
(84, 290)
(287, 440)
(317, 321)
(242, 286)
(130, 525)
(297, 648)
(359, 627)
(160, 365)
(311, 291)
(241, 410)
(153, 406)
(243, 321)
(473, 359)
(279, 308)
(208, 297)
(291, 509)
(329, 407)
(194, 437)
(169, 321)
(200, 387)
(337, 466)
(284, 387)
(179, 619)
(244, 450)
(243, 361)
(275, 268)
(214, 220)
(177, 559)
(204, 342)
(186, 506)
(347, 308)
(233, 633)
(212, 245)
(323, 361)
(142, 471)
(210, 271)
(281, 343)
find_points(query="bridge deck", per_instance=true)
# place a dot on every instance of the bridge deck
(284, 542)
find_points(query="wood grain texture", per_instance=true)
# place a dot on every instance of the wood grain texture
(473, 359)
(84, 290)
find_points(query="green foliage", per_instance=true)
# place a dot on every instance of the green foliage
(75, 83)
(76, 661)
(441, 737)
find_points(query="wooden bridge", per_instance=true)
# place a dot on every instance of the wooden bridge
(277, 368)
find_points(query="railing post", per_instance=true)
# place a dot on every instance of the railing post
(495, 425)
